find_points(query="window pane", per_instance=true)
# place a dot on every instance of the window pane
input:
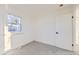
(14, 23)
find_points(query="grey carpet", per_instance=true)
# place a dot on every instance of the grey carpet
(37, 48)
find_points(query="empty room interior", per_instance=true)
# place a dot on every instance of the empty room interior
(39, 29)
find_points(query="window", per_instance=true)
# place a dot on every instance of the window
(14, 23)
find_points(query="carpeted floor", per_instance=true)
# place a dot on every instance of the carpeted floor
(37, 48)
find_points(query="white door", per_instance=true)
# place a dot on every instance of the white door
(64, 31)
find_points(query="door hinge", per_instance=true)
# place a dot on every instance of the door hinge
(72, 17)
(72, 44)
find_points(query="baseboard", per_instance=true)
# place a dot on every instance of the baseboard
(17, 47)
(50, 44)
(23, 44)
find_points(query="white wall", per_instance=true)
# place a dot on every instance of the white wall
(38, 23)
(26, 35)
(47, 28)
(76, 28)
(2, 17)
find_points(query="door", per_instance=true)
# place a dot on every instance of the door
(64, 31)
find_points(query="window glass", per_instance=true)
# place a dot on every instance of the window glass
(14, 23)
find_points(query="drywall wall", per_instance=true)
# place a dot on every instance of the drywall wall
(38, 22)
(26, 35)
(46, 29)
(46, 26)
(2, 14)
(29, 14)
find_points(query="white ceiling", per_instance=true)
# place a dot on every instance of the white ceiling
(39, 9)
(40, 6)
